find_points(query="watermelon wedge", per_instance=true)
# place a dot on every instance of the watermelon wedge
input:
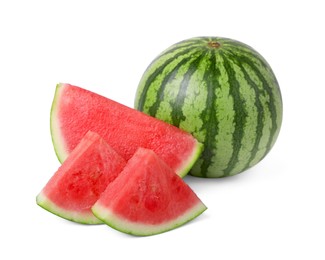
(76, 110)
(147, 198)
(84, 175)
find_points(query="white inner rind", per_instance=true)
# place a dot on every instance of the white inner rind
(43, 201)
(188, 164)
(58, 143)
(142, 229)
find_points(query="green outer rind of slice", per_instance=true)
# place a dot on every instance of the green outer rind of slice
(141, 229)
(43, 201)
(191, 160)
(57, 141)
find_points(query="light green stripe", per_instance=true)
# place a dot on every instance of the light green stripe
(240, 115)
(195, 104)
(193, 107)
(170, 103)
(154, 75)
(225, 114)
(252, 78)
(248, 96)
(209, 114)
(154, 79)
(271, 99)
(268, 96)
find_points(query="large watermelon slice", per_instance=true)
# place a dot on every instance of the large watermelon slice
(76, 110)
(147, 198)
(83, 176)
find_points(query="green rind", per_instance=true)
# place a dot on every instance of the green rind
(188, 164)
(43, 201)
(141, 229)
(57, 141)
(228, 98)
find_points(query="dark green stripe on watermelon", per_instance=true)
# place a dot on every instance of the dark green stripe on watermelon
(259, 127)
(182, 90)
(221, 91)
(157, 72)
(240, 116)
(209, 116)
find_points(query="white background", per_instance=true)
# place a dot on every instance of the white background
(273, 211)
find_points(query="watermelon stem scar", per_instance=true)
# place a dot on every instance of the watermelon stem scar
(214, 44)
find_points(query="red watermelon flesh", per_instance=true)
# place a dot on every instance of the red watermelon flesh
(76, 110)
(83, 176)
(147, 198)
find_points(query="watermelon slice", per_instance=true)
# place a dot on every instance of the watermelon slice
(147, 198)
(84, 175)
(76, 110)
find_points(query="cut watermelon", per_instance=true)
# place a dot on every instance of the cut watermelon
(76, 110)
(147, 198)
(80, 180)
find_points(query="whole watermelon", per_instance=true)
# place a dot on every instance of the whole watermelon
(221, 91)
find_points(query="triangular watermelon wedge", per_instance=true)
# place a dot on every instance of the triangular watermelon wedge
(147, 198)
(76, 110)
(83, 176)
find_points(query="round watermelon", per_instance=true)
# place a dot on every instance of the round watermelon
(221, 91)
